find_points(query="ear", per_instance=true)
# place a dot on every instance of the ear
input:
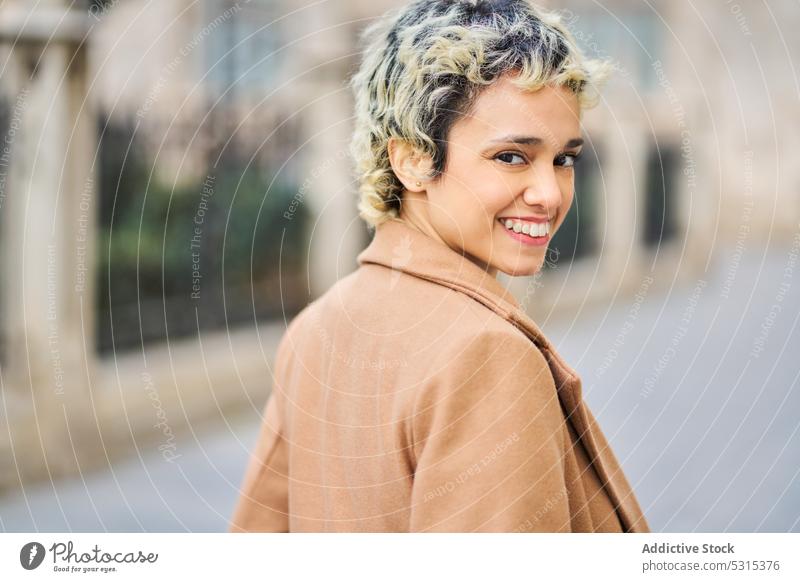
(411, 166)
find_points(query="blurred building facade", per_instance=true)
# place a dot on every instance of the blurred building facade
(682, 167)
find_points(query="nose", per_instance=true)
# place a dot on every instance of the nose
(543, 192)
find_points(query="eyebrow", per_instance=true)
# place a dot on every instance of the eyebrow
(533, 140)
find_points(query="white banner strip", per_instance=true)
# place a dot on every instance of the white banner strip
(400, 557)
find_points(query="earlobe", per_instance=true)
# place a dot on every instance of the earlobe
(408, 164)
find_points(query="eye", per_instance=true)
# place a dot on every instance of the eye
(567, 160)
(507, 158)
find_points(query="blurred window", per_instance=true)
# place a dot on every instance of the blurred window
(659, 208)
(240, 52)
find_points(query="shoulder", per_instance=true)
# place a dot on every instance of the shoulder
(429, 322)
(495, 364)
(500, 352)
(497, 382)
(331, 299)
(379, 299)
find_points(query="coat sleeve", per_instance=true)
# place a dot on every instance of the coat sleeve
(263, 504)
(489, 440)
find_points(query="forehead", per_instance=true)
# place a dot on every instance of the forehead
(551, 113)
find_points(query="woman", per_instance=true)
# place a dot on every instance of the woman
(416, 395)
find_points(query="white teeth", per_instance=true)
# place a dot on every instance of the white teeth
(531, 229)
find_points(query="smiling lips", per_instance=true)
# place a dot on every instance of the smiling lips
(528, 231)
(531, 228)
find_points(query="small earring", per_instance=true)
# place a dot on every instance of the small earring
(418, 184)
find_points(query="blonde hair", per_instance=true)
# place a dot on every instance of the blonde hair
(425, 64)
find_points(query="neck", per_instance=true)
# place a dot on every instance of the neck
(414, 212)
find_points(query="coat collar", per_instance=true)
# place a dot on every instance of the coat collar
(398, 246)
(402, 247)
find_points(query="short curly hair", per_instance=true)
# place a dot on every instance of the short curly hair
(424, 66)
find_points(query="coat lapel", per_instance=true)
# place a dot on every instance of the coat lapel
(399, 246)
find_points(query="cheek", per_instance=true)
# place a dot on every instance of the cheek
(475, 197)
(493, 194)
(487, 204)
(568, 189)
(498, 197)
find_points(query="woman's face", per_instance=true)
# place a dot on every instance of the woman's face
(508, 180)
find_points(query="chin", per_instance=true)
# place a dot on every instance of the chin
(522, 269)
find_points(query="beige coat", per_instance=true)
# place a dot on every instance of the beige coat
(416, 395)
